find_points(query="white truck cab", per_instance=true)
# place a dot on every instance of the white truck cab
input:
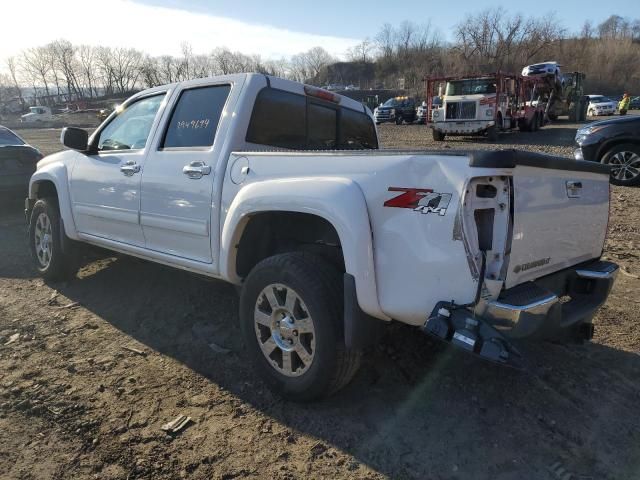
(280, 188)
(37, 114)
(483, 105)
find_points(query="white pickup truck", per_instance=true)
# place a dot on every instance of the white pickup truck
(279, 188)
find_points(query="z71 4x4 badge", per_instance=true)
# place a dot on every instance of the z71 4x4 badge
(423, 200)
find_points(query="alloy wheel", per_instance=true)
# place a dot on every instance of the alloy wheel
(625, 165)
(43, 240)
(284, 330)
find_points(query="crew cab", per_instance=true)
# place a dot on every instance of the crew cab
(280, 189)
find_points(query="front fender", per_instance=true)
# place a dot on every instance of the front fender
(340, 201)
(56, 172)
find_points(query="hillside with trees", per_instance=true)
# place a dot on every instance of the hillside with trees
(398, 56)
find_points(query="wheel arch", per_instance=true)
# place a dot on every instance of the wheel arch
(333, 204)
(52, 181)
(609, 144)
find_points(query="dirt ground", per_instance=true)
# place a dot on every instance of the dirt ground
(78, 401)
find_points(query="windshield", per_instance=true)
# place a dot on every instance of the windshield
(471, 87)
(7, 137)
(599, 99)
(392, 102)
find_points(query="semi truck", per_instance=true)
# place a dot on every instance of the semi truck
(483, 105)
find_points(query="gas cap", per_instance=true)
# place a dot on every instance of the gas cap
(239, 170)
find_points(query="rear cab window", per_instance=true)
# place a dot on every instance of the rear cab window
(289, 120)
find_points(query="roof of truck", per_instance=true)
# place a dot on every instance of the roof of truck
(266, 80)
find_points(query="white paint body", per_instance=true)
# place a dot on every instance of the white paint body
(37, 114)
(404, 260)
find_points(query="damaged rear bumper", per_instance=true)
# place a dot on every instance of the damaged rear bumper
(554, 307)
(557, 307)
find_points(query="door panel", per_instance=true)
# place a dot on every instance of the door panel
(105, 186)
(105, 200)
(177, 182)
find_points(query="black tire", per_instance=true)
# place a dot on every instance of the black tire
(62, 263)
(535, 123)
(492, 133)
(398, 120)
(320, 287)
(523, 125)
(438, 136)
(629, 152)
(553, 117)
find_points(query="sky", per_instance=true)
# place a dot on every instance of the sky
(273, 29)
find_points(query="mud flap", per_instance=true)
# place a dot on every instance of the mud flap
(458, 327)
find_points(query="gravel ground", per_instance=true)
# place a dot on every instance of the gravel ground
(100, 363)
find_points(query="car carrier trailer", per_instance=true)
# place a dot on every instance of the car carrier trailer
(483, 105)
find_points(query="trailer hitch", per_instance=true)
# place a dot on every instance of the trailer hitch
(457, 326)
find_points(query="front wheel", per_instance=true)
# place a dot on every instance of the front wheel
(625, 164)
(398, 120)
(291, 314)
(45, 242)
(492, 133)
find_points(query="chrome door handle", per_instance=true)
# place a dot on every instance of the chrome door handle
(196, 170)
(129, 168)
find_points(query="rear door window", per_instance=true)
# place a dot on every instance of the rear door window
(194, 120)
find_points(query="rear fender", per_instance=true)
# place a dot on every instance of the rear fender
(340, 201)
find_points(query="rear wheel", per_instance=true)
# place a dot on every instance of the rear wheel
(438, 136)
(535, 123)
(45, 242)
(291, 313)
(625, 164)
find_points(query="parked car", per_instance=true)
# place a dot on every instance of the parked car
(634, 104)
(37, 114)
(600, 105)
(543, 70)
(615, 142)
(329, 246)
(397, 109)
(17, 163)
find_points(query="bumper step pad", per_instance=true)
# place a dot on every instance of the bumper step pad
(458, 327)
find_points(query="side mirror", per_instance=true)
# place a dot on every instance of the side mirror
(75, 138)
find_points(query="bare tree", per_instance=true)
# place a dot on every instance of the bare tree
(37, 66)
(362, 52)
(13, 72)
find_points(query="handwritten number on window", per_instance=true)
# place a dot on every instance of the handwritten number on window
(194, 124)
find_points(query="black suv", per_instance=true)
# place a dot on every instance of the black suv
(396, 110)
(615, 142)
